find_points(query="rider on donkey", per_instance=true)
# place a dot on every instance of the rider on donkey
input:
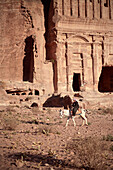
(75, 107)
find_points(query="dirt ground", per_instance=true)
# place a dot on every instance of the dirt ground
(38, 139)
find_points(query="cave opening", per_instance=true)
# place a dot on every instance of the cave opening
(106, 80)
(28, 61)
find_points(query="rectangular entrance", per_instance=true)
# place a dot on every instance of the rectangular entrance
(76, 82)
(106, 79)
(28, 61)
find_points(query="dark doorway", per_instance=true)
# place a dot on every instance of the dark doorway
(106, 80)
(36, 92)
(28, 62)
(76, 82)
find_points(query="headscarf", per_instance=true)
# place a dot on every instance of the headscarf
(74, 99)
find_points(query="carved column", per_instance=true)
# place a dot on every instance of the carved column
(76, 8)
(60, 7)
(111, 4)
(95, 9)
(67, 8)
(95, 57)
(88, 8)
(106, 53)
(82, 8)
(87, 68)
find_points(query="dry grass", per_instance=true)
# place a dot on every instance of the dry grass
(40, 139)
(9, 120)
(108, 138)
(9, 123)
(45, 129)
(105, 111)
(89, 153)
(2, 85)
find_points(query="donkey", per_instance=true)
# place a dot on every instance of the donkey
(67, 113)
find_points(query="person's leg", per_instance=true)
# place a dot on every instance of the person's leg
(73, 118)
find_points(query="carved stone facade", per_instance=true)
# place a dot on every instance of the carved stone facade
(83, 45)
(23, 53)
(60, 46)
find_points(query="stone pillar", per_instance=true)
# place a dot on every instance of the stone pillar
(87, 67)
(88, 8)
(61, 66)
(60, 7)
(82, 8)
(76, 8)
(95, 56)
(102, 9)
(98, 10)
(67, 8)
(100, 59)
(95, 9)
(90, 14)
(106, 11)
(111, 4)
(88, 76)
(70, 71)
(106, 53)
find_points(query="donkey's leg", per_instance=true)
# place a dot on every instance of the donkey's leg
(84, 120)
(73, 118)
(67, 122)
(79, 111)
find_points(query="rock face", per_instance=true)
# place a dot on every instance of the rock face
(57, 46)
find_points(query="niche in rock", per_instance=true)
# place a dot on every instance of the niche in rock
(106, 80)
(28, 61)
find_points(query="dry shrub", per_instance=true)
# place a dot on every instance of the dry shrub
(49, 111)
(9, 120)
(105, 111)
(108, 138)
(10, 109)
(35, 110)
(2, 84)
(9, 123)
(109, 110)
(1, 113)
(89, 153)
(45, 129)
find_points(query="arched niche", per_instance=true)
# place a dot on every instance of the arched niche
(77, 38)
(28, 61)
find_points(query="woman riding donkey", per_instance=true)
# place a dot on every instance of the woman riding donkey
(75, 108)
(71, 110)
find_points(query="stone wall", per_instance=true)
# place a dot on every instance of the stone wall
(23, 52)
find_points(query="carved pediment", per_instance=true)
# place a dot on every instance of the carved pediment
(78, 39)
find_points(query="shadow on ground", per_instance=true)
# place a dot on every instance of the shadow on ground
(43, 160)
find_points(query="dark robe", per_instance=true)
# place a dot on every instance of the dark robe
(75, 107)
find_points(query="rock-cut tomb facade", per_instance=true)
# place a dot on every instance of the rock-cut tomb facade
(57, 46)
